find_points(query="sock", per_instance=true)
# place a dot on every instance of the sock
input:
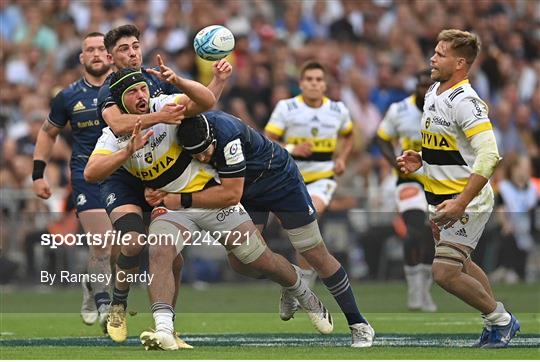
(120, 297)
(499, 317)
(338, 285)
(163, 317)
(299, 287)
(102, 298)
(309, 276)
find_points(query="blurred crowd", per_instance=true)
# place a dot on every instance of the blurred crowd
(371, 48)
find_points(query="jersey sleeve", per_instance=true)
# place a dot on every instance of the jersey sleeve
(277, 123)
(106, 144)
(58, 115)
(231, 161)
(387, 128)
(346, 126)
(157, 103)
(472, 116)
(105, 100)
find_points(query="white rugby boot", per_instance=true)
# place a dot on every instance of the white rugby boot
(318, 314)
(152, 340)
(362, 335)
(103, 315)
(288, 305)
(414, 277)
(89, 312)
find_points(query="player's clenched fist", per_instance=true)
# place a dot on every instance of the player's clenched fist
(41, 188)
(222, 69)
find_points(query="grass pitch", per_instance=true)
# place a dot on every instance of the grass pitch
(240, 321)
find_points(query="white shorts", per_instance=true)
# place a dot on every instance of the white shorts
(323, 189)
(468, 230)
(195, 226)
(416, 202)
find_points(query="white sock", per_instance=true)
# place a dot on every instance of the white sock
(499, 317)
(164, 320)
(300, 287)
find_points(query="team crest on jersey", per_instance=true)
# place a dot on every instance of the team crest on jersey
(81, 199)
(111, 198)
(432, 108)
(428, 123)
(464, 219)
(148, 157)
(314, 131)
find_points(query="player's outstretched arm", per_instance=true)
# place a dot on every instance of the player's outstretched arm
(197, 99)
(100, 166)
(222, 70)
(227, 194)
(42, 153)
(122, 123)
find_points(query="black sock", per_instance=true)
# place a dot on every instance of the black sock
(120, 297)
(338, 285)
(102, 298)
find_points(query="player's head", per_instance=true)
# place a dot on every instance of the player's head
(94, 55)
(313, 80)
(196, 136)
(456, 51)
(129, 91)
(423, 82)
(123, 45)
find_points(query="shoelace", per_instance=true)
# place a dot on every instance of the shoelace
(361, 334)
(289, 301)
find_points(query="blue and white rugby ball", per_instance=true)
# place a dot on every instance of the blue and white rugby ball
(213, 42)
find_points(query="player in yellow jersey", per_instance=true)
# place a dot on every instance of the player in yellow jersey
(459, 155)
(309, 127)
(401, 123)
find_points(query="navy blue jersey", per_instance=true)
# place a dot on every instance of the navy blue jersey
(155, 85)
(77, 104)
(243, 152)
(272, 181)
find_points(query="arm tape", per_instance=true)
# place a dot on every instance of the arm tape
(487, 154)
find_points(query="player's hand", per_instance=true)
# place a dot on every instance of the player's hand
(172, 113)
(303, 149)
(339, 166)
(409, 162)
(448, 212)
(42, 189)
(165, 73)
(222, 69)
(154, 197)
(172, 201)
(138, 140)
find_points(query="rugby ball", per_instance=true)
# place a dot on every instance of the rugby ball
(213, 42)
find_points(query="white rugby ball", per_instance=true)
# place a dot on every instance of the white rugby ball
(213, 42)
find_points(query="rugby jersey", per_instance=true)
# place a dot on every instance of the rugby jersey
(161, 163)
(449, 120)
(296, 122)
(402, 123)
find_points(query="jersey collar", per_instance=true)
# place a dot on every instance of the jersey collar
(300, 99)
(464, 81)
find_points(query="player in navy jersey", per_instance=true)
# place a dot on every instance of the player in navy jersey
(77, 106)
(262, 175)
(122, 192)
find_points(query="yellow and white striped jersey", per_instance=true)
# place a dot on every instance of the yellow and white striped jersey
(450, 119)
(296, 122)
(402, 123)
(161, 163)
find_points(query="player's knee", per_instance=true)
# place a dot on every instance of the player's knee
(161, 254)
(243, 269)
(251, 249)
(130, 223)
(305, 237)
(127, 262)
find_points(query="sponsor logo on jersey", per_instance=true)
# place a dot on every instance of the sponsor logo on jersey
(479, 110)
(94, 102)
(158, 140)
(111, 198)
(440, 121)
(81, 199)
(224, 213)
(89, 123)
(461, 232)
(310, 210)
(315, 119)
(434, 140)
(78, 107)
(432, 108)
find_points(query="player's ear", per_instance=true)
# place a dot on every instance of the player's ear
(81, 58)
(461, 63)
(110, 58)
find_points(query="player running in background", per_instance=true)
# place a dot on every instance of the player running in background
(402, 124)
(459, 155)
(158, 160)
(309, 126)
(124, 193)
(77, 106)
(264, 178)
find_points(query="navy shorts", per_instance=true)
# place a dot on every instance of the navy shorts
(283, 194)
(122, 188)
(86, 196)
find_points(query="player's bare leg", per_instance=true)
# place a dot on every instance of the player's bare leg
(96, 301)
